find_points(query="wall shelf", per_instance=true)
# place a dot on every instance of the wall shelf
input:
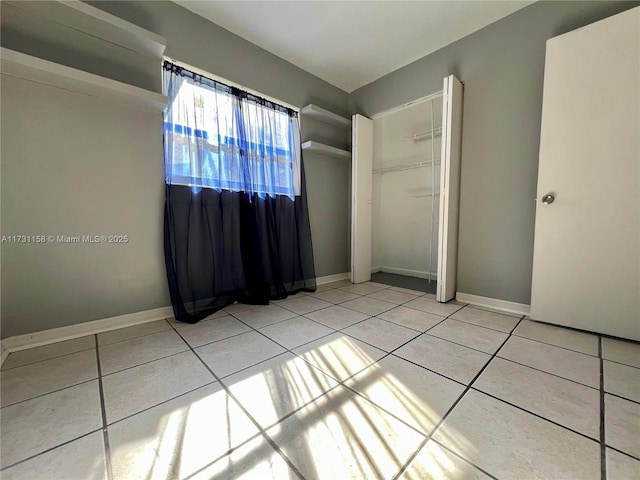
(80, 16)
(37, 70)
(325, 116)
(327, 150)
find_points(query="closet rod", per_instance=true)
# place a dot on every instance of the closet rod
(399, 168)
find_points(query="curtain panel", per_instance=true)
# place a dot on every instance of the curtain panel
(236, 218)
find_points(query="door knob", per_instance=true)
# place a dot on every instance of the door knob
(548, 199)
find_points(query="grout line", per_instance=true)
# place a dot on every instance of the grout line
(244, 410)
(552, 344)
(145, 363)
(52, 391)
(540, 416)
(626, 454)
(46, 359)
(67, 442)
(105, 433)
(603, 448)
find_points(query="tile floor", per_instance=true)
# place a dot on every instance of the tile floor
(355, 381)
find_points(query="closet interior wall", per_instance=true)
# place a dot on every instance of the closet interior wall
(406, 188)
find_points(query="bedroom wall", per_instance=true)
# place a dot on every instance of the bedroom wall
(63, 174)
(502, 67)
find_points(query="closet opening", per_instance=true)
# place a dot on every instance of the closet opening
(406, 190)
(407, 144)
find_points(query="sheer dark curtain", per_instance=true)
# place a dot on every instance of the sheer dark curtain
(236, 219)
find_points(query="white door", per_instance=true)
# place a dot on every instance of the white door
(586, 264)
(449, 189)
(361, 182)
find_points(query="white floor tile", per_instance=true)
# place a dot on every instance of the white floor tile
(368, 305)
(342, 436)
(264, 315)
(338, 284)
(621, 351)
(22, 383)
(562, 401)
(82, 459)
(304, 304)
(129, 353)
(254, 460)
(336, 296)
(411, 318)
(213, 329)
(393, 296)
(510, 443)
(46, 352)
(274, 388)
(434, 462)
(430, 305)
(233, 354)
(559, 336)
(36, 425)
(337, 317)
(295, 331)
(622, 380)
(417, 293)
(622, 467)
(622, 424)
(576, 366)
(384, 335)
(130, 391)
(454, 361)
(485, 318)
(338, 355)
(132, 332)
(472, 336)
(416, 396)
(240, 307)
(363, 288)
(180, 437)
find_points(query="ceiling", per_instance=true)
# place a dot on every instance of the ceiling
(352, 43)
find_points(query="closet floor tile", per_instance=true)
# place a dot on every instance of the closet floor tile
(558, 336)
(622, 424)
(622, 380)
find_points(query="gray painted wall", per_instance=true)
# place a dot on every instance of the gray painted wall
(502, 67)
(63, 173)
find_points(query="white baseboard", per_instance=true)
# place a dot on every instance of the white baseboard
(333, 278)
(407, 272)
(494, 303)
(45, 337)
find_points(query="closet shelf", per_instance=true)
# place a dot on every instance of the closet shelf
(80, 16)
(325, 116)
(417, 137)
(399, 168)
(20, 65)
(327, 150)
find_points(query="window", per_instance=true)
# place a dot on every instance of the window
(221, 137)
